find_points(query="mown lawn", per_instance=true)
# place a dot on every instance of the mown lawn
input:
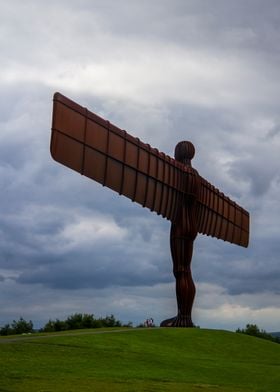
(141, 360)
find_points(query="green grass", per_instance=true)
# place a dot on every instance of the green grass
(194, 360)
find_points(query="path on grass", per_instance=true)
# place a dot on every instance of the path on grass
(23, 338)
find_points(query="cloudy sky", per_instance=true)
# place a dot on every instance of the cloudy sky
(164, 70)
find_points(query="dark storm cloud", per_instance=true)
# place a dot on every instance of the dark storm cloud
(46, 255)
(100, 265)
(95, 270)
(238, 271)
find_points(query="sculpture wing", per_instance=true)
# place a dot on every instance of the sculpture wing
(92, 146)
(101, 151)
(220, 217)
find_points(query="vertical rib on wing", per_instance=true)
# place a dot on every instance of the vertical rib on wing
(220, 217)
(99, 150)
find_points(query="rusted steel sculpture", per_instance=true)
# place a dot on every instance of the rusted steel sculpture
(101, 151)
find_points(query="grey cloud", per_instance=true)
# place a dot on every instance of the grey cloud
(237, 145)
(254, 173)
(74, 278)
(97, 267)
(274, 131)
(238, 271)
(236, 24)
(259, 171)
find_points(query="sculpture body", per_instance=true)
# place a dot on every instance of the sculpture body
(183, 232)
(101, 151)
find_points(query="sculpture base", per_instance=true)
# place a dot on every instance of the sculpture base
(178, 321)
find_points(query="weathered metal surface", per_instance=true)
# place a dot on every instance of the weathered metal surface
(101, 151)
(182, 235)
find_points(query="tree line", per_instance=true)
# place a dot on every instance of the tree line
(17, 327)
(87, 321)
(74, 321)
(253, 330)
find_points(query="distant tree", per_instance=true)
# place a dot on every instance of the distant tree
(17, 327)
(88, 321)
(75, 321)
(97, 323)
(110, 321)
(22, 326)
(60, 325)
(81, 321)
(253, 330)
(6, 330)
(49, 327)
(54, 326)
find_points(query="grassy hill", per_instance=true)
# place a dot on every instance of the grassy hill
(140, 360)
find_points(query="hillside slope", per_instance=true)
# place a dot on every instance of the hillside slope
(142, 360)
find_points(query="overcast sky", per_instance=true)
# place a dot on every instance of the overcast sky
(164, 70)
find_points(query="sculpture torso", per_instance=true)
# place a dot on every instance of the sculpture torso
(185, 223)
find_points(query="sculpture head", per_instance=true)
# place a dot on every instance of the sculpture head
(184, 152)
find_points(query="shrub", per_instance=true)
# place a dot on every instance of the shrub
(17, 327)
(253, 330)
(6, 330)
(81, 321)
